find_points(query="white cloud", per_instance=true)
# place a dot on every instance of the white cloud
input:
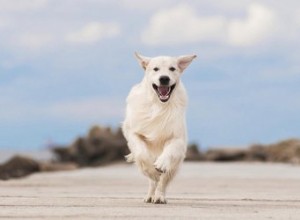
(32, 27)
(21, 5)
(181, 24)
(94, 32)
(145, 5)
(34, 41)
(37, 39)
(254, 29)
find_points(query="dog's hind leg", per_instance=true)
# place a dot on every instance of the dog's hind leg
(151, 191)
(160, 191)
(148, 170)
(145, 164)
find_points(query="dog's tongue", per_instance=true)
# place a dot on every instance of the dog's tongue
(163, 90)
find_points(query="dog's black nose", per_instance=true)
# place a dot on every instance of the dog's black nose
(164, 80)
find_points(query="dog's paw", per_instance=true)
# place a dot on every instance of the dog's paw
(129, 158)
(159, 170)
(162, 165)
(149, 199)
(159, 200)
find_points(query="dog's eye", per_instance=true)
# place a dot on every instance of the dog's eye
(156, 69)
(172, 69)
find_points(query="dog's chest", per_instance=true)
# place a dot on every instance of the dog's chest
(157, 124)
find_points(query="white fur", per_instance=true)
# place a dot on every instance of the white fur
(156, 130)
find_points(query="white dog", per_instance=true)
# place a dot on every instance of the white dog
(155, 126)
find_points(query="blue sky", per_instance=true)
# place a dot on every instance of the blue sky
(66, 65)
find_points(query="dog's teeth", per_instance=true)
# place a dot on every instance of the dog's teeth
(164, 97)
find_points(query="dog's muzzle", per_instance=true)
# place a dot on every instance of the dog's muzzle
(163, 91)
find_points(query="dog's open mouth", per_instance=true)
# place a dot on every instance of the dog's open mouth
(163, 92)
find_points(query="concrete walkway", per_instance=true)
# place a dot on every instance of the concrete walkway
(200, 191)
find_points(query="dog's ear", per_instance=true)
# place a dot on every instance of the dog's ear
(144, 61)
(184, 61)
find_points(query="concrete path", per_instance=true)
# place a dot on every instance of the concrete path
(200, 191)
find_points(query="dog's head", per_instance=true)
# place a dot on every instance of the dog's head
(163, 73)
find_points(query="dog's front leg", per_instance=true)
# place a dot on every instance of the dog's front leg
(172, 155)
(167, 163)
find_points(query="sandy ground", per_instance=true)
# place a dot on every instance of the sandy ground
(200, 191)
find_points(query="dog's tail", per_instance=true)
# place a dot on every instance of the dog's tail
(129, 158)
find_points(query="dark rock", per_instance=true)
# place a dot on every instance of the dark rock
(284, 151)
(18, 166)
(257, 152)
(225, 154)
(193, 153)
(101, 146)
